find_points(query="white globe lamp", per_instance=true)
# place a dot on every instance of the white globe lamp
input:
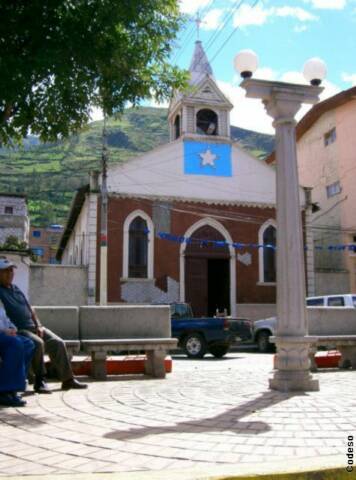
(246, 63)
(314, 71)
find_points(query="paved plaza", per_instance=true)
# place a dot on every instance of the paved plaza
(207, 417)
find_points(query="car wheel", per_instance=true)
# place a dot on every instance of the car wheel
(194, 345)
(263, 342)
(219, 350)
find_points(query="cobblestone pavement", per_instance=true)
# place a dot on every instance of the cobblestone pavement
(206, 413)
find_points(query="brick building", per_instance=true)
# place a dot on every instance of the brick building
(44, 242)
(192, 220)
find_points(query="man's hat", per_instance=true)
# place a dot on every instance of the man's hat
(5, 263)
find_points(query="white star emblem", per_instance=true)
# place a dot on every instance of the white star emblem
(208, 158)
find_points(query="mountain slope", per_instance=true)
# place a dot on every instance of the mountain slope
(50, 173)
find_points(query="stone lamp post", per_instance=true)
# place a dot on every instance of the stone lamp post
(282, 101)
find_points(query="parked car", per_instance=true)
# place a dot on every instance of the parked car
(265, 328)
(197, 336)
(345, 300)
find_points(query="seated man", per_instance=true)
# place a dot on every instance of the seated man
(24, 317)
(15, 357)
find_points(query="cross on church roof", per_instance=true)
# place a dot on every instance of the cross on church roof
(198, 21)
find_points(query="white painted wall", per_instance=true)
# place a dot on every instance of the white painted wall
(81, 246)
(75, 252)
(160, 173)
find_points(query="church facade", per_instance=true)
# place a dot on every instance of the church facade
(192, 220)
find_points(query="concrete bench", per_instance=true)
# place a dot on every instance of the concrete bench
(130, 328)
(334, 327)
(345, 344)
(155, 349)
(64, 322)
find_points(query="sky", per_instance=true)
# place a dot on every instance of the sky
(283, 33)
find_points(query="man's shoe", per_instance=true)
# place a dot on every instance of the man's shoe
(11, 400)
(72, 383)
(41, 387)
(19, 402)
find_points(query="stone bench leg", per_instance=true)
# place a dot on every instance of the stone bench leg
(98, 365)
(312, 352)
(348, 356)
(154, 364)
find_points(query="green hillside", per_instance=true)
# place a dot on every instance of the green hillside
(50, 173)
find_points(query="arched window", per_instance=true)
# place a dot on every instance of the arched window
(177, 127)
(207, 122)
(138, 245)
(267, 238)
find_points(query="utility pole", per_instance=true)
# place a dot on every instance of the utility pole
(104, 221)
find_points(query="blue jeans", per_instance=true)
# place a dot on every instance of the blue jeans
(15, 357)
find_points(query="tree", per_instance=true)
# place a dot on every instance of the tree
(14, 243)
(59, 58)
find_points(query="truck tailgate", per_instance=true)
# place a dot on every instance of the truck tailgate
(241, 328)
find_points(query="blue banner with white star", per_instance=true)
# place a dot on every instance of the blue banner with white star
(212, 159)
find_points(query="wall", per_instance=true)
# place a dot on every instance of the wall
(328, 283)
(18, 203)
(17, 223)
(256, 311)
(45, 242)
(167, 253)
(58, 285)
(134, 291)
(319, 166)
(160, 173)
(81, 246)
(12, 227)
(76, 252)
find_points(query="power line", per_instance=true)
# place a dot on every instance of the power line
(231, 34)
(225, 20)
(186, 42)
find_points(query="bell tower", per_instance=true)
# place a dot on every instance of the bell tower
(202, 110)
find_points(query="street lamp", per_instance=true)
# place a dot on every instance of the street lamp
(246, 62)
(314, 71)
(282, 101)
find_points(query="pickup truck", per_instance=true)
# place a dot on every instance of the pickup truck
(265, 328)
(197, 336)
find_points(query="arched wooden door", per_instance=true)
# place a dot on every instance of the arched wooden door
(207, 272)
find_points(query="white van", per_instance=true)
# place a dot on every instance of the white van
(345, 300)
(265, 328)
